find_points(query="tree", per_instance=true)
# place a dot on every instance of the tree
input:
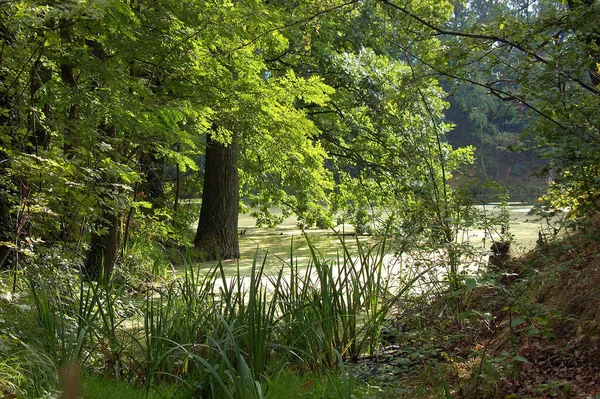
(217, 229)
(286, 130)
(311, 113)
(382, 130)
(129, 85)
(550, 49)
(493, 126)
(91, 108)
(278, 159)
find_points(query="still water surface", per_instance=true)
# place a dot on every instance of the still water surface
(277, 242)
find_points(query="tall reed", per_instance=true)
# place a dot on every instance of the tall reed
(336, 306)
(217, 334)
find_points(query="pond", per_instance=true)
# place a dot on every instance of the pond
(277, 242)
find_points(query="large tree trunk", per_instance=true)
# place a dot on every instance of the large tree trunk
(217, 233)
(102, 254)
(106, 238)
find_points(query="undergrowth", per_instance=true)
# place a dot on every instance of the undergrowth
(529, 328)
(210, 334)
(332, 328)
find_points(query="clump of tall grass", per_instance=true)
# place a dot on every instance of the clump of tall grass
(11, 375)
(334, 306)
(218, 335)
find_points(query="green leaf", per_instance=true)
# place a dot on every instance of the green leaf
(471, 284)
(517, 321)
(532, 332)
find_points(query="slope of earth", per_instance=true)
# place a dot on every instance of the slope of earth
(529, 328)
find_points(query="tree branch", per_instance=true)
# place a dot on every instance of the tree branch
(476, 83)
(492, 38)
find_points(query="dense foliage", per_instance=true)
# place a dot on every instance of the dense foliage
(108, 107)
(542, 58)
(116, 117)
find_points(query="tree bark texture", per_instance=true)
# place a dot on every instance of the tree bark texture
(105, 241)
(217, 233)
(102, 254)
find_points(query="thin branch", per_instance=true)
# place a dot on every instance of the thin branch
(16, 80)
(442, 31)
(476, 83)
(294, 23)
(492, 38)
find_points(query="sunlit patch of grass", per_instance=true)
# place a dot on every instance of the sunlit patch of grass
(11, 376)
